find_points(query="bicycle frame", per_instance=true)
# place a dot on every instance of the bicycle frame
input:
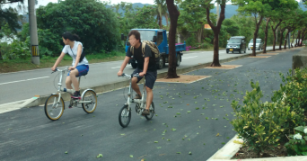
(130, 92)
(71, 91)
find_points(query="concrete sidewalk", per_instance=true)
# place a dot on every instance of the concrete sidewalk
(189, 118)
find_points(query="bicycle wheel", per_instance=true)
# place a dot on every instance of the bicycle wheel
(89, 96)
(54, 109)
(124, 116)
(152, 112)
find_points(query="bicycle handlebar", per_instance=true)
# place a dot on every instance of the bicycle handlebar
(58, 70)
(129, 76)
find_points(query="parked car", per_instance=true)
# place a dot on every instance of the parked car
(236, 43)
(259, 44)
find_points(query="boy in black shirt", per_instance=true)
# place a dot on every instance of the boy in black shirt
(146, 67)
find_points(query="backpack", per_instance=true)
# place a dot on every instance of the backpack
(152, 46)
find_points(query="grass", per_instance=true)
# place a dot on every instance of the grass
(47, 62)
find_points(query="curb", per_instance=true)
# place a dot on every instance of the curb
(231, 148)
(121, 84)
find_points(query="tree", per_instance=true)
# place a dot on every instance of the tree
(215, 28)
(231, 27)
(280, 10)
(9, 18)
(246, 24)
(174, 14)
(192, 16)
(92, 21)
(161, 9)
(145, 18)
(258, 10)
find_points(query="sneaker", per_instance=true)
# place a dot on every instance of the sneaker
(76, 95)
(137, 96)
(145, 112)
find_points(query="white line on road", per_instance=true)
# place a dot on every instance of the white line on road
(189, 57)
(24, 80)
(115, 67)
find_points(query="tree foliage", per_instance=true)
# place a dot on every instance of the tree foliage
(91, 20)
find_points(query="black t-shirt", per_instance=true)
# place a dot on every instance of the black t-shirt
(138, 56)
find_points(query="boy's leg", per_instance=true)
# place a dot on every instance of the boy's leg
(135, 86)
(149, 97)
(150, 81)
(134, 82)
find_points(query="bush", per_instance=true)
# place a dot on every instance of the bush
(19, 50)
(293, 94)
(260, 124)
(297, 143)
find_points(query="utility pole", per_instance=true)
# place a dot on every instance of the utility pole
(33, 32)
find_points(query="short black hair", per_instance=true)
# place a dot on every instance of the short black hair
(70, 36)
(136, 34)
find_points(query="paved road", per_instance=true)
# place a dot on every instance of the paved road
(24, 85)
(27, 134)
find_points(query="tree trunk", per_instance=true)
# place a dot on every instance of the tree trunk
(160, 21)
(266, 35)
(285, 44)
(256, 34)
(174, 14)
(296, 40)
(216, 30)
(166, 18)
(292, 39)
(216, 60)
(199, 34)
(274, 33)
(303, 37)
(1, 58)
(281, 37)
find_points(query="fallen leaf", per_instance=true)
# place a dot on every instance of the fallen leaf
(99, 156)
(218, 134)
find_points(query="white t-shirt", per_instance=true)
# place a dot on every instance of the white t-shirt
(73, 53)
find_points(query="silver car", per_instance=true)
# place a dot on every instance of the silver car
(259, 44)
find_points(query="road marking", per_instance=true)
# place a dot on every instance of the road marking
(117, 67)
(24, 80)
(191, 57)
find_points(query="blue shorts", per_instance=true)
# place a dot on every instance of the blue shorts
(82, 69)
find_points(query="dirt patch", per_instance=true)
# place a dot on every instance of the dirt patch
(225, 67)
(259, 57)
(244, 153)
(183, 79)
(269, 53)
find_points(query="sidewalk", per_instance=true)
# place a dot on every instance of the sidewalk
(189, 118)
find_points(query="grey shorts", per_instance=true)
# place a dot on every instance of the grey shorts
(149, 76)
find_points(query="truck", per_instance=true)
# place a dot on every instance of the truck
(159, 37)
